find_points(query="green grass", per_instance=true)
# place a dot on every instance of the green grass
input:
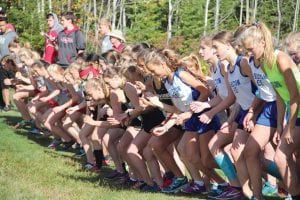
(28, 170)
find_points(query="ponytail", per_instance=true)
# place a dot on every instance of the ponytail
(259, 31)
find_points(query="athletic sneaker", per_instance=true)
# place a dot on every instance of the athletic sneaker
(55, 143)
(176, 185)
(149, 188)
(92, 168)
(194, 188)
(231, 193)
(23, 123)
(67, 145)
(7, 108)
(44, 133)
(167, 182)
(269, 190)
(35, 131)
(139, 185)
(130, 182)
(216, 191)
(115, 175)
(80, 152)
(120, 177)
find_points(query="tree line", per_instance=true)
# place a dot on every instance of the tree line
(177, 24)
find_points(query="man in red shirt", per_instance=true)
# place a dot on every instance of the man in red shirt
(50, 53)
(117, 40)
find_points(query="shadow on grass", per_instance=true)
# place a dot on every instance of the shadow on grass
(10, 120)
(44, 142)
(98, 180)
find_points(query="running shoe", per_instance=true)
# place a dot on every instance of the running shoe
(92, 168)
(231, 193)
(176, 185)
(7, 108)
(167, 182)
(55, 143)
(80, 153)
(121, 179)
(194, 188)
(23, 123)
(44, 133)
(67, 145)
(269, 190)
(35, 131)
(130, 182)
(151, 188)
(115, 175)
(139, 185)
(216, 191)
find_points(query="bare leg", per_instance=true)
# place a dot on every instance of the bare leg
(68, 125)
(216, 146)
(206, 157)
(286, 163)
(110, 140)
(256, 142)
(19, 102)
(238, 145)
(138, 143)
(85, 132)
(159, 146)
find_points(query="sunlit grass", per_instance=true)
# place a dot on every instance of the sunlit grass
(28, 170)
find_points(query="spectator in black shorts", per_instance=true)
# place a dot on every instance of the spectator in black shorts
(7, 79)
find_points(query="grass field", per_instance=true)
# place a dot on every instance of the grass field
(28, 170)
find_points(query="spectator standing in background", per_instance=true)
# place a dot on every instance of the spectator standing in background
(71, 41)
(50, 53)
(6, 37)
(117, 40)
(104, 29)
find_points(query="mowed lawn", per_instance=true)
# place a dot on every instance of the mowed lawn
(28, 170)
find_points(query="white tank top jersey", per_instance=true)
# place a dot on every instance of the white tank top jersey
(265, 89)
(220, 82)
(180, 92)
(241, 85)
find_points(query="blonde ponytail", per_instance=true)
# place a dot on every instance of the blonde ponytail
(258, 31)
